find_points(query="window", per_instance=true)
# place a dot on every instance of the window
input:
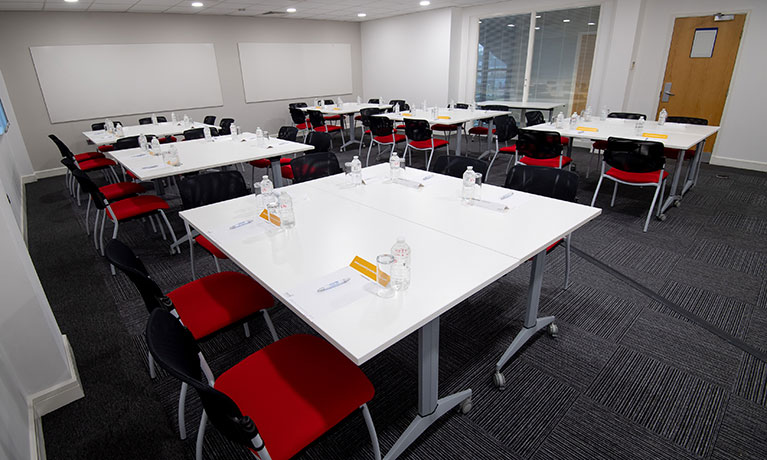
(3, 120)
(562, 51)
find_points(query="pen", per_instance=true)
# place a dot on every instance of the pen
(428, 177)
(507, 195)
(240, 224)
(334, 284)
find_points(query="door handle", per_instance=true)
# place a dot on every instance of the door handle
(666, 92)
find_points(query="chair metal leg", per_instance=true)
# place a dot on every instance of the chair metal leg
(662, 189)
(95, 230)
(100, 246)
(152, 371)
(247, 329)
(172, 233)
(218, 266)
(181, 409)
(371, 431)
(596, 192)
(615, 193)
(652, 206)
(200, 436)
(191, 248)
(367, 162)
(269, 325)
(87, 217)
(567, 260)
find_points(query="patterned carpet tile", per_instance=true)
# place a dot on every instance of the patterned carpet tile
(665, 400)
(641, 257)
(743, 435)
(725, 282)
(736, 222)
(747, 197)
(751, 382)
(757, 330)
(726, 256)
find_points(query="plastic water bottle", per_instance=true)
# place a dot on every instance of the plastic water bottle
(109, 126)
(142, 142)
(603, 113)
(186, 121)
(469, 180)
(356, 172)
(452, 103)
(400, 272)
(639, 127)
(154, 119)
(396, 108)
(359, 100)
(424, 106)
(259, 137)
(267, 190)
(119, 130)
(173, 159)
(573, 120)
(395, 169)
(173, 118)
(156, 146)
(662, 117)
(206, 132)
(287, 216)
(560, 120)
(233, 131)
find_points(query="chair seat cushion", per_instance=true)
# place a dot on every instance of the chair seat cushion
(509, 149)
(295, 390)
(358, 117)
(211, 303)
(443, 127)
(427, 144)
(332, 117)
(167, 140)
(210, 247)
(137, 206)
(85, 156)
(634, 177)
(287, 172)
(105, 148)
(599, 145)
(564, 140)
(673, 154)
(131, 175)
(304, 126)
(548, 162)
(328, 128)
(96, 163)
(480, 130)
(266, 163)
(120, 190)
(390, 139)
(402, 126)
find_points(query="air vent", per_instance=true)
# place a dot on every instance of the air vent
(274, 13)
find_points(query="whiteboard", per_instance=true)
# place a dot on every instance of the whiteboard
(274, 71)
(82, 82)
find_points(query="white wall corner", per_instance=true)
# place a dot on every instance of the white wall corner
(53, 172)
(739, 163)
(62, 393)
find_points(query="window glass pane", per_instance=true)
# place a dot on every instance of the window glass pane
(501, 57)
(563, 52)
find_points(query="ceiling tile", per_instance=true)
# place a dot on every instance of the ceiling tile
(21, 6)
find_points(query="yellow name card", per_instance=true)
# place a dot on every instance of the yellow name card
(368, 270)
(443, 117)
(655, 136)
(336, 108)
(407, 114)
(274, 219)
(587, 128)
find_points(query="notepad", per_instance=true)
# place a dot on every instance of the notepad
(492, 205)
(443, 117)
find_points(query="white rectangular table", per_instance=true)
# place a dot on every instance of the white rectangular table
(681, 137)
(525, 106)
(451, 261)
(101, 137)
(347, 109)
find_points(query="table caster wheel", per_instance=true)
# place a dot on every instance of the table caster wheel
(465, 406)
(677, 203)
(662, 217)
(553, 330)
(499, 380)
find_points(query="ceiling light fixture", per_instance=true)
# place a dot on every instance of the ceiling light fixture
(71, 1)
(361, 15)
(537, 28)
(197, 4)
(291, 10)
(425, 3)
(592, 24)
(537, 16)
(509, 25)
(565, 20)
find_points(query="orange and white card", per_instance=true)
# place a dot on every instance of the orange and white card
(369, 270)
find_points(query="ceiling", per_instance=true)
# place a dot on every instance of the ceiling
(340, 10)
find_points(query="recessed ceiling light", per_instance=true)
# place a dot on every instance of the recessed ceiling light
(509, 25)
(197, 4)
(537, 16)
(480, 21)
(361, 15)
(71, 1)
(291, 10)
(537, 28)
(425, 3)
(565, 20)
(592, 24)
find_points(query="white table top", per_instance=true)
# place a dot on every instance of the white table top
(346, 108)
(101, 137)
(457, 249)
(329, 233)
(456, 116)
(199, 154)
(680, 136)
(529, 105)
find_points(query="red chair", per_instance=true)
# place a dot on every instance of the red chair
(89, 161)
(420, 137)
(365, 115)
(505, 130)
(332, 118)
(300, 120)
(276, 401)
(100, 127)
(600, 146)
(288, 133)
(638, 163)
(317, 119)
(383, 133)
(541, 148)
(481, 130)
(673, 154)
(535, 117)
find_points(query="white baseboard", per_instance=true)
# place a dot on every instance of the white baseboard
(36, 439)
(62, 393)
(43, 174)
(738, 163)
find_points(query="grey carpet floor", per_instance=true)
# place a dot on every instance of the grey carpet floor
(627, 378)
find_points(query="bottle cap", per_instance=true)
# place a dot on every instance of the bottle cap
(400, 239)
(265, 177)
(470, 168)
(355, 157)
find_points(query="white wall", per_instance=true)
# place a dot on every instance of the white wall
(740, 142)
(408, 57)
(20, 30)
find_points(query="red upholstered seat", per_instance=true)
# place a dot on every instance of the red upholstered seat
(599, 145)
(168, 139)
(548, 162)
(400, 126)
(105, 148)
(478, 130)
(88, 156)
(332, 117)
(358, 117)
(131, 175)
(390, 139)
(210, 247)
(265, 162)
(306, 125)
(120, 190)
(295, 390)
(564, 140)
(673, 154)
(328, 128)
(443, 127)
(287, 172)
(95, 163)
(551, 248)
(509, 149)
(425, 145)
(211, 303)
(137, 206)
(636, 178)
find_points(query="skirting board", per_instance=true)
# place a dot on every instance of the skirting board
(62, 393)
(740, 164)
(45, 173)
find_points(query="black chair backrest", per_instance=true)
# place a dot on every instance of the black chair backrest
(329, 102)
(688, 120)
(175, 350)
(539, 144)
(89, 187)
(455, 166)
(199, 133)
(65, 152)
(70, 164)
(459, 105)
(295, 105)
(634, 156)
(401, 102)
(122, 257)
(500, 108)
(209, 188)
(626, 115)
(297, 115)
(559, 184)
(209, 120)
(365, 114)
(314, 166)
(381, 126)
(148, 120)
(417, 130)
(101, 126)
(316, 118)
(131, 142)
(505, 128)
(374, 100)
(226, 127)
(534, 117)
(288, 133)
(320, 141)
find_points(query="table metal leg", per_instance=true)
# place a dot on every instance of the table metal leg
(673, 195)
(489, 150)
(429, 407)
(458, 144)
(352, 134)
(522, 119)
(533, 324)
(276, 171)
(692, 173)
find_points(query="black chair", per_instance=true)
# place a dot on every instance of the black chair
(88, 161)
(554, 183)
(481, 130)
(382, 133)
(633, 162)
(131, 142)
(300, 120)
(148, 120)
(209, 120)
(534, 117)
(688, 154)
(403, 105)
(226, 127)
(541, 148)
(364, 117)
(505, 130)
(320, 141)
(317, 119)
(455, 166)
(199, 133)
(314, 166)
(295, 105)
(420, 137)
(205, 189)
(276, 401)
(101, 126)
(599, 146)
(459, 105)
(374, 100)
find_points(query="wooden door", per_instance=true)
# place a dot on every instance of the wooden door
(699, 85)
